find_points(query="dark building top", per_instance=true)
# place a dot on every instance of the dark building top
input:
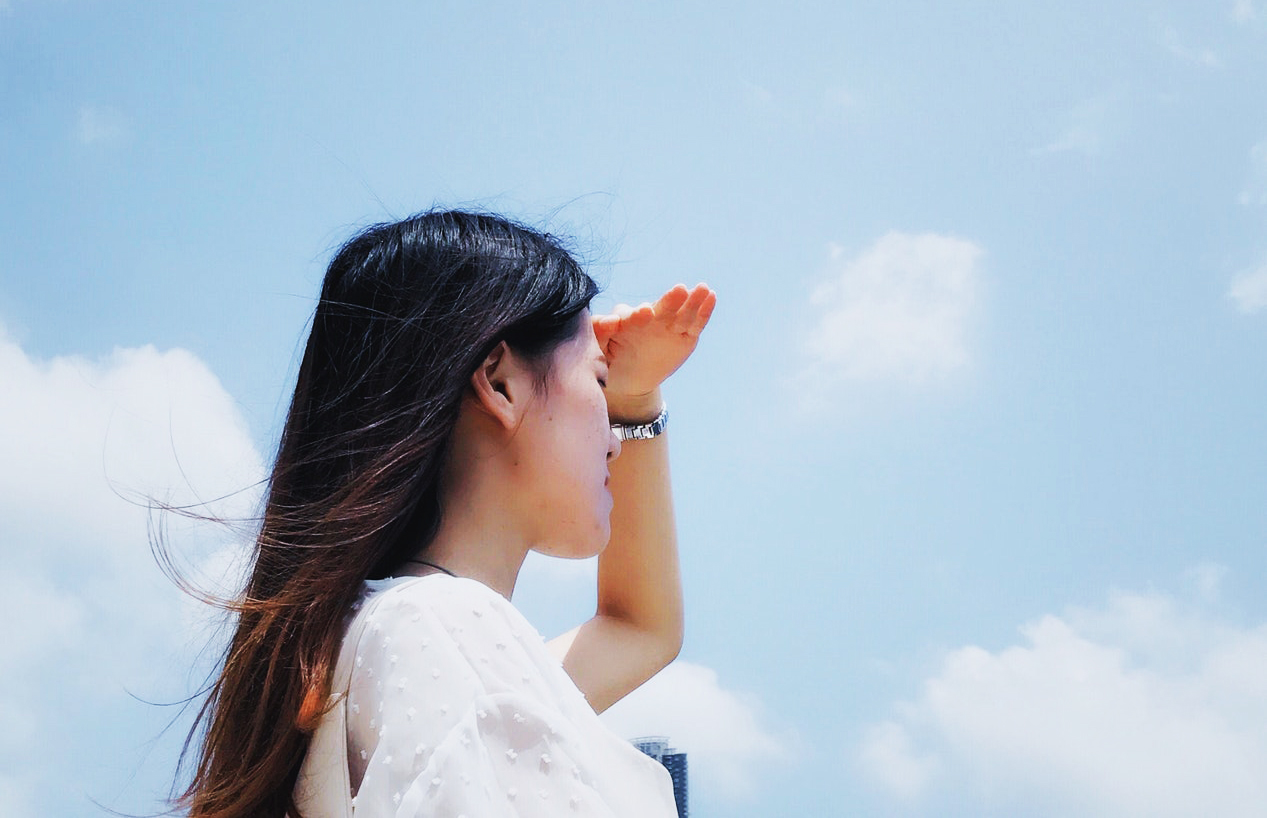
(658, 748)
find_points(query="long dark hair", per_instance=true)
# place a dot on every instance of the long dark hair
(408, 310)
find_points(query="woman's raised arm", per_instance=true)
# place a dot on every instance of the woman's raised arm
(637, 629)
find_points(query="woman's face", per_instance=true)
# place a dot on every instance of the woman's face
(569, 442)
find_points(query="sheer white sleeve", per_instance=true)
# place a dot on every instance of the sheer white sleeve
(457, 709)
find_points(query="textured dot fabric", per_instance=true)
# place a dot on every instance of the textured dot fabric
(456, 707)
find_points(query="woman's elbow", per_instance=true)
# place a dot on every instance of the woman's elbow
(669, 644)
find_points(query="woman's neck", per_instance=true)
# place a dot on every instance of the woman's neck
(478, 538)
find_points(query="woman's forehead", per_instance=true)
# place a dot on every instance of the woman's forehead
(582, 346)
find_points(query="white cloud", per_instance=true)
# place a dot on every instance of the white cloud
(899, 310)
(1249, 290)
(888, 757)
(99, 124)
(90, 615)
(1243, 11)
(722, 732)
(1146, 706)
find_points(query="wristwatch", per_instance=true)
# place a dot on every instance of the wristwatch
(642, 431)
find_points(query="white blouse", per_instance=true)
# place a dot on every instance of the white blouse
(456, 708)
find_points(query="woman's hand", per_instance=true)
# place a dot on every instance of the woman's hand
(646, 344)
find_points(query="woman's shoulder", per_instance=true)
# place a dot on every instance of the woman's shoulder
(441, 615)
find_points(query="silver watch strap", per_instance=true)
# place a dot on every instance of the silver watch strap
(642, 431)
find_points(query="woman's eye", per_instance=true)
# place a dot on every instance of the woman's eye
(602, 382)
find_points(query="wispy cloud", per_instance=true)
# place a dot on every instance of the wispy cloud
(1255, 190)
(838, 99)
(1207, 579)
(799, 108)
(759, 98)
(1145, 706)
(1243, 11)
(1092, 126)
(724, 733)
(97, 124)
(900, 310)
(1170, 40)
(1248, 290)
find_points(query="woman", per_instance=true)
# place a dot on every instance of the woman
(456, 407)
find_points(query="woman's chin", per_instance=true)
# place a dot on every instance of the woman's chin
(579, 549)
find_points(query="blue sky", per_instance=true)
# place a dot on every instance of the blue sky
(971, 465)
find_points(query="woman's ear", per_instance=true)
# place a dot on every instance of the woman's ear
(502, 385)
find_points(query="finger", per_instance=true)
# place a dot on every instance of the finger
(690, 310)
(701, 317)
(607, 322)
(641, 316)
(622, 311)
(671, 301)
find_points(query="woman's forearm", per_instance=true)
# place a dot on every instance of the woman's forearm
(639, 581)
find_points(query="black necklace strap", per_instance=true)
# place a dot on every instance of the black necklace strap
(433, 565)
